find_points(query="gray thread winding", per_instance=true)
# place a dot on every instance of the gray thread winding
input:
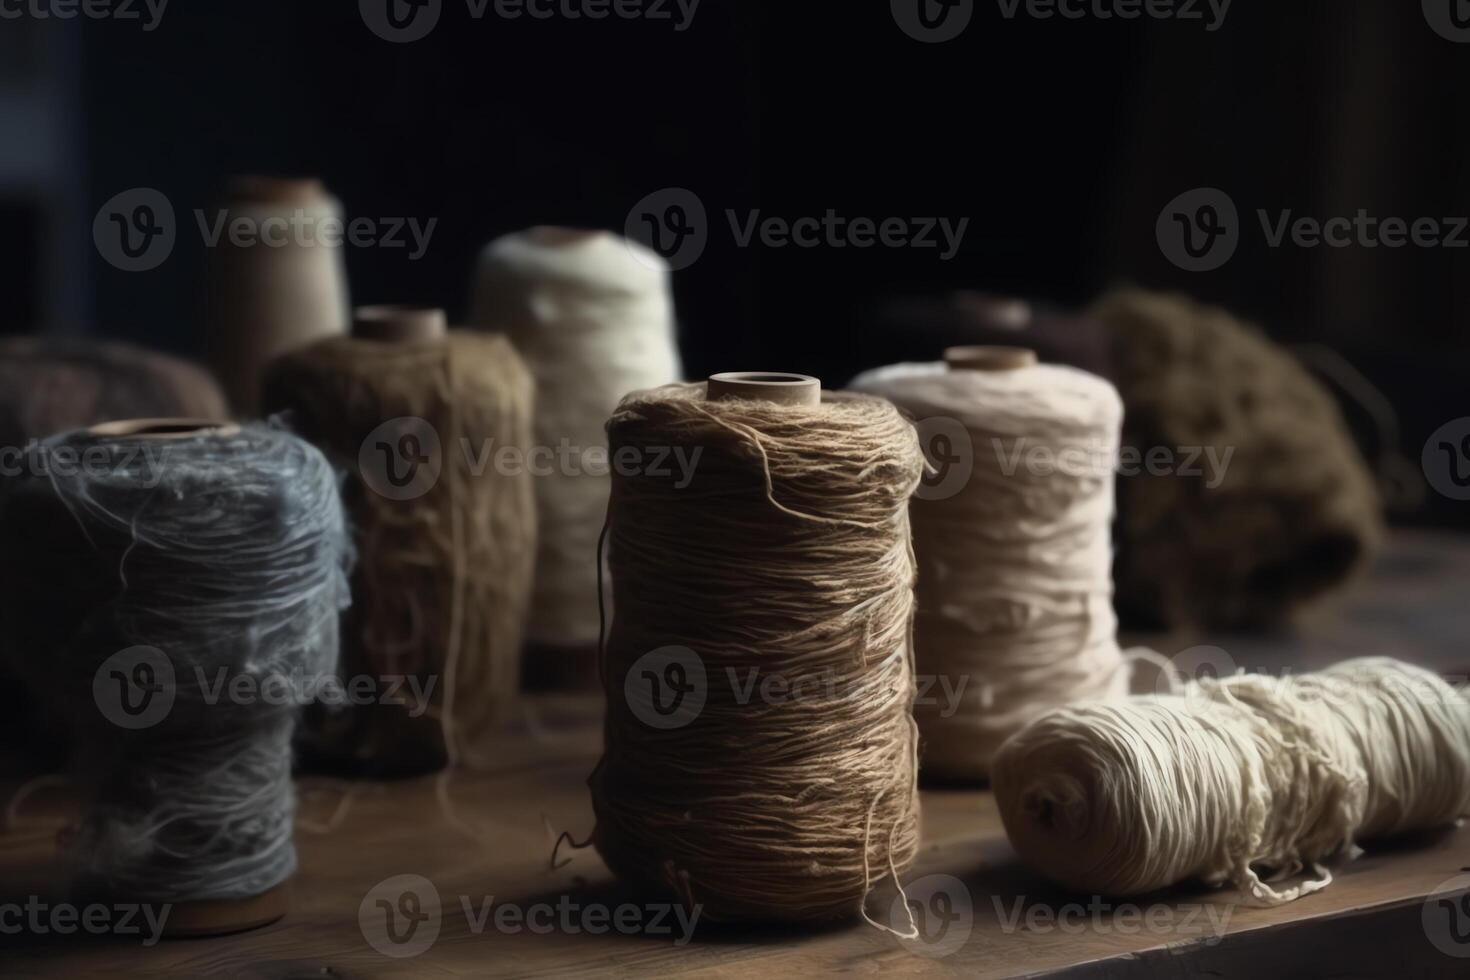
(225, 552)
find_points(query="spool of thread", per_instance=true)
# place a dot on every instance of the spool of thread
(760, 753)
(1015, 596)
(274, 290)
(593, 316)
(1235, 777)
(444, 527)
(49, 385)
(178, 586)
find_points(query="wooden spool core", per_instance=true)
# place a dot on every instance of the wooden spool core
(254, 189)
(989, 358)
(224, 916)
(399, 324)
(769, 386)
(163, 428)
(555, 236)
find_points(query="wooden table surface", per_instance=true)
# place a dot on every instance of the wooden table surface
(1401, 909)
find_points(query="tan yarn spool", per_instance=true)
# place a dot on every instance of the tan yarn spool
(1014, 595)
(786, 560)
(592, 314)
(1235, 777)
(444, 569)
(265, 299)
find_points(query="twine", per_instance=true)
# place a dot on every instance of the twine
(223, 552)
(1235, 779)
(787, 557)
(593, 316)
(442, 580)
(1015, 594)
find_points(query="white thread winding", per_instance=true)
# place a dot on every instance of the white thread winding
(1235, 778)
(592, 315)
(1015, 592)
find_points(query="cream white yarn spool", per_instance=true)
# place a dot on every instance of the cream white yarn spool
(280, 285)
(592, 315)
(1015, 608)
(1234, 777)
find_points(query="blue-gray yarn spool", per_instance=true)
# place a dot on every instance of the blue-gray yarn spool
(174, 594)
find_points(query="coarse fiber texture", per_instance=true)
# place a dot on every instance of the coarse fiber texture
(52, 385)
(1015, 610)
(1295, 513)
(272, 291)
(199, 577)
(593, 316)
(1235, 777)
(443, 576)
(780, 583)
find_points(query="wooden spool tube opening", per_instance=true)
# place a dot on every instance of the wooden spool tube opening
(989, 358)
(770, 386)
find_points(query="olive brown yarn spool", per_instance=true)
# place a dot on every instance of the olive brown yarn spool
(443, 520)
(1291, 514)
(1014, 596)
(592, 314)
(1235, 777)
(281, 287)
(52, 385)
(179, 598)
(49, 385)
(760, 752)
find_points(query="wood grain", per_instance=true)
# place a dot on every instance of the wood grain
(1379, 916)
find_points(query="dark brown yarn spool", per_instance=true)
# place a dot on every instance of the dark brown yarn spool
(51, 385)
(444, 553)
(47, 386)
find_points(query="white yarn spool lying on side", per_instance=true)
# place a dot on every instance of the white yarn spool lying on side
(593, 317)
(1235, 776)
(1015, 608)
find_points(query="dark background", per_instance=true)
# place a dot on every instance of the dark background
(1061, 141)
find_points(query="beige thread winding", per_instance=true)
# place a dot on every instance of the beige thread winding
(1015, 594)
(1235, 777)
